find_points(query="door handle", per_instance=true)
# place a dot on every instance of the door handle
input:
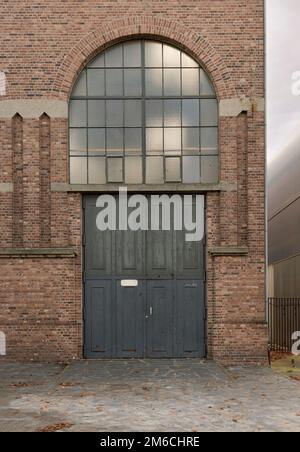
(150, 313)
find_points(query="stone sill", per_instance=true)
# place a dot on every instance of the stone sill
(37, 252)
(229, 251)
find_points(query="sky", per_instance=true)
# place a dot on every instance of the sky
(283, 63)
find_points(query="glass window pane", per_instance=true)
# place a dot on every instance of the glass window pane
(191, 140)
(153, 82)
(133, 141)
(80, 86)
(209, 170)
(209, 112)
(96, 141)
(187, 61)
(172, 141)
(96, 113)
(209, 140)
(97, 62)
(114, 113)
(132, 54)
(154, 113)
(78, 141)
(114, 82)
(191, 170)
(190, 82)
(114, 56)
(153, 54)
(114, 141)
(172, 113)
(154, 141)
(173, 169)
(171, 56)
(95, 82)
(206, 87)
(78, 170)
(133, 113)
(133, 170)
(172, 82)
(154, 170)
(96, 167)
(190, 112)
(78, 113)
(132, 82)
(115, 170)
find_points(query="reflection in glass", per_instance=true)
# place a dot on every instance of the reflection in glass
(191, 170)
(206, 87)
(133, 141)
(133, 113)
(172, 140)
(187, 61)
(78, 142)
(190, 82)
(209, 170)
(133, 170)
(115, 170)
(171, 56)
(96, 113)
(96, 141)
(78, 170)
(77, 113)
(172, 82)
(154, 170)
(132, 54)
(172, 113)
(95, 82)
(153, 82)
(209, 140)
(190, 112)
(153, 54)
(114, 113)
(114, 56)
(96, 166)
(154, 113)
(114, 141)
(191, 140)
(132, 82)
(209, 112)
(154, 140)
(98, 62)
(114, 82)
(173, 169)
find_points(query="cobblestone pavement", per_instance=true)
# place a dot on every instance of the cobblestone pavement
(156, 395)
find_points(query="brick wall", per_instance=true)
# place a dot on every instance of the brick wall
(44, 45)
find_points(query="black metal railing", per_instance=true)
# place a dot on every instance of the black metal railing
(284, 321)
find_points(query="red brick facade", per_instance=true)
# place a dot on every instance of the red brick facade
(44, 46)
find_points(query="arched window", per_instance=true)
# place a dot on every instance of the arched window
(143, 112)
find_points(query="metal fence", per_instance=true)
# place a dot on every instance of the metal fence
(284, 321)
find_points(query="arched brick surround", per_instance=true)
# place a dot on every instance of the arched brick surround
(112, 32)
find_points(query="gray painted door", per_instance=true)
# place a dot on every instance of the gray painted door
(163, 316)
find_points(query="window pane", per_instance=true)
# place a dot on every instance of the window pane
(96, 113)
(78, 114)
(114, 56)
(190, 112)
(115, 170)
(78, 142)
(206, 87)
(172, 141)
(172, 113)
(80, 86)
(96, 167)
(173, 169)
(171, 56)
(190, 82)
(114, 141)
(209, 140)
(172, 82)
(154, 113)
(133, 170)
(191, 140)
(133, 141)
(153, 54)
(95, 79)
(191, 170)
(114, 82)
(78, 170)
(187, 61)
(98, 62)
(153, 82)
(154, 141)
(209, 112)
(132, 54)
(96, 141)
(133, 82)
(133, 113)
(154, 170)
(114, 113)
(209, 170)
